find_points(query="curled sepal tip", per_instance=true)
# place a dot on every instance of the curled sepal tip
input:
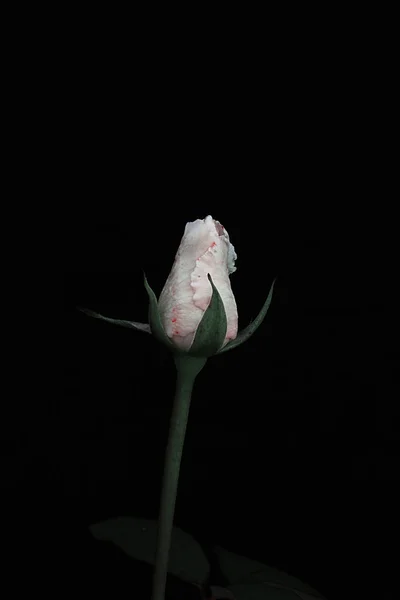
(122, 322)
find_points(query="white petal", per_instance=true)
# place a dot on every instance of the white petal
(204, 248)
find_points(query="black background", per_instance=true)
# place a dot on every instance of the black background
(291, 455)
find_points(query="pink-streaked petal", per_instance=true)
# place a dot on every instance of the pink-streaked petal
(205, 248)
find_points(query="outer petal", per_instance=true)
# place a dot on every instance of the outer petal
(204, 248)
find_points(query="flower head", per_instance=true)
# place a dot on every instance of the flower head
(205, 249)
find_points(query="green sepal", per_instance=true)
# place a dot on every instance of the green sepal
(251, 328)
(121, 322)
(211, 331)
(156, 326)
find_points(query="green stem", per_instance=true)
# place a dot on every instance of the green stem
(188, 368)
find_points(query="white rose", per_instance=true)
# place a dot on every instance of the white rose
(204, 249)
